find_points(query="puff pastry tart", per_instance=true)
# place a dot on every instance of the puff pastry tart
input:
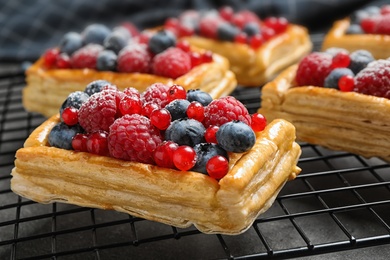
(61, 71)
(257, 49)
(349, 113)
(132, 183)
(364, 29)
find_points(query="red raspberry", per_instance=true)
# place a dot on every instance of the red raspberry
(224, 110)
(134, 58)
(133, 138)
(171, 63)
(374, 79)
(208, 26)
(86, 56)
(383, 25)
(98, 112)
(313, 69)
(157, 94)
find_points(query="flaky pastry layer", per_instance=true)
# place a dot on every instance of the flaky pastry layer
(48, 174)
(253, 67)
(377, 44)
(47, 89)
(347, 121)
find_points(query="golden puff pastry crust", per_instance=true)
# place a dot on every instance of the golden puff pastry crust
(347, 121)
(377, 44)
(47, 88)
(228, 206)
(254, 67)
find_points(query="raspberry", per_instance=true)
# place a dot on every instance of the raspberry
(313, 69)
(171, 63)
(134, 58)
(98, 112)
(374, 79)
(383, 25)
(208, 26)
(224, 110)
(157, 94)
(86, 57)
(134, 138)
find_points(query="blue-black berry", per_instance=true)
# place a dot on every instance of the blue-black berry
(61, 135)
(204, 151)
(251, 28)
(360, 60)
(178, 108)
(95, 33)
(198, 95)
(70, 43)
(106, 60)
(227, 32)
(236, 136)
(185, 132)
(116, 40)
(161, 41)
(96, 86)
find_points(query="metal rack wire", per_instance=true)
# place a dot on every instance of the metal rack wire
(339, 202)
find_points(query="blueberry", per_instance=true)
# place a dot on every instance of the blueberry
(354, 29)
(198, 95)
(185, 132)
(95, 33)
(332, 80)
(251, 28)
(236, 136)
(70, 43)
(227, 32)
(161, 41)
(75, 99)
(178, 108)
(358, 16)
(61, 135)
(360, 60)
(96, 86)
(204, 151)
(106, 60)
(116, 40)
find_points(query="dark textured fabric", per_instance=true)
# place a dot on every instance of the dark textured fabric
(27, 28)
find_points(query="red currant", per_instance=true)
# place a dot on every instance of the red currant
(148, 108)
(97, 143)
(346, 83)
(341, 60)
(217, 167)
(210, 134)
(207, 56)
(79, 142)
(184, 30)
(176, 92)
(184, 158)
(195, 111)
(256, 41)
(196, 59)
(241, 38)
(279, 24)
(163, 155)
(50, 57)
(129, 105)
(258, 122)
(184, 45)
(267, 33)
(238, 20)
(63, 61)
(172, 23)
(70, 115)
(226, 12)
(161, 118)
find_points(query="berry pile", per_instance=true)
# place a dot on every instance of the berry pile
(124, 49)
(370, 20)
(336, 68)
(165, 126)
(227, 25)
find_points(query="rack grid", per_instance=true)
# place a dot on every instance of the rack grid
(339, 202)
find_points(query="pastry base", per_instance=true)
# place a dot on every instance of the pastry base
(377, 44)
(346, 121)
(46, 90)
(252, 67)
(48, 174)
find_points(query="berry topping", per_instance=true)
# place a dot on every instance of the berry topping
(258, 122)
(184, 158)
(161, 118)
(133, 138)
(341, 60)
(156, 93)
(200, 96)
(195, 110)
(61, 135)
(79, 142)
(171, 63)
(346, 83)
(95, 33)
(134, 58)
(130, 104)
(383, 25)
(106, 60)
(116, 40)
(97, 143)
(161, 41)
(205, 151)
(86, 57)
(360, 60)
(217, 167)
(70, 116)
(96, 86)
(313, 69)
(227, 32)
(332, 80)
(71, 42)
(178, 108)
(163, 155)
(50, 57)
(185, 132)
(176, 92)
(75, 99)
(224, 110)
(208, 26)
(210, 134)
(374, 79)
(236, 136)
(98, 112)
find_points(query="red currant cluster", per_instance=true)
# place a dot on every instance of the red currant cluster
(227, 25)
(379, 23)
(132, 126)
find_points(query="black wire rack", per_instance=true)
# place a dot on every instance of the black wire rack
(340, 202)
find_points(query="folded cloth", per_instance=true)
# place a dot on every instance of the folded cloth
(28, 28)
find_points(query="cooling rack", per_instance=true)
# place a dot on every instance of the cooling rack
(339, 203)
